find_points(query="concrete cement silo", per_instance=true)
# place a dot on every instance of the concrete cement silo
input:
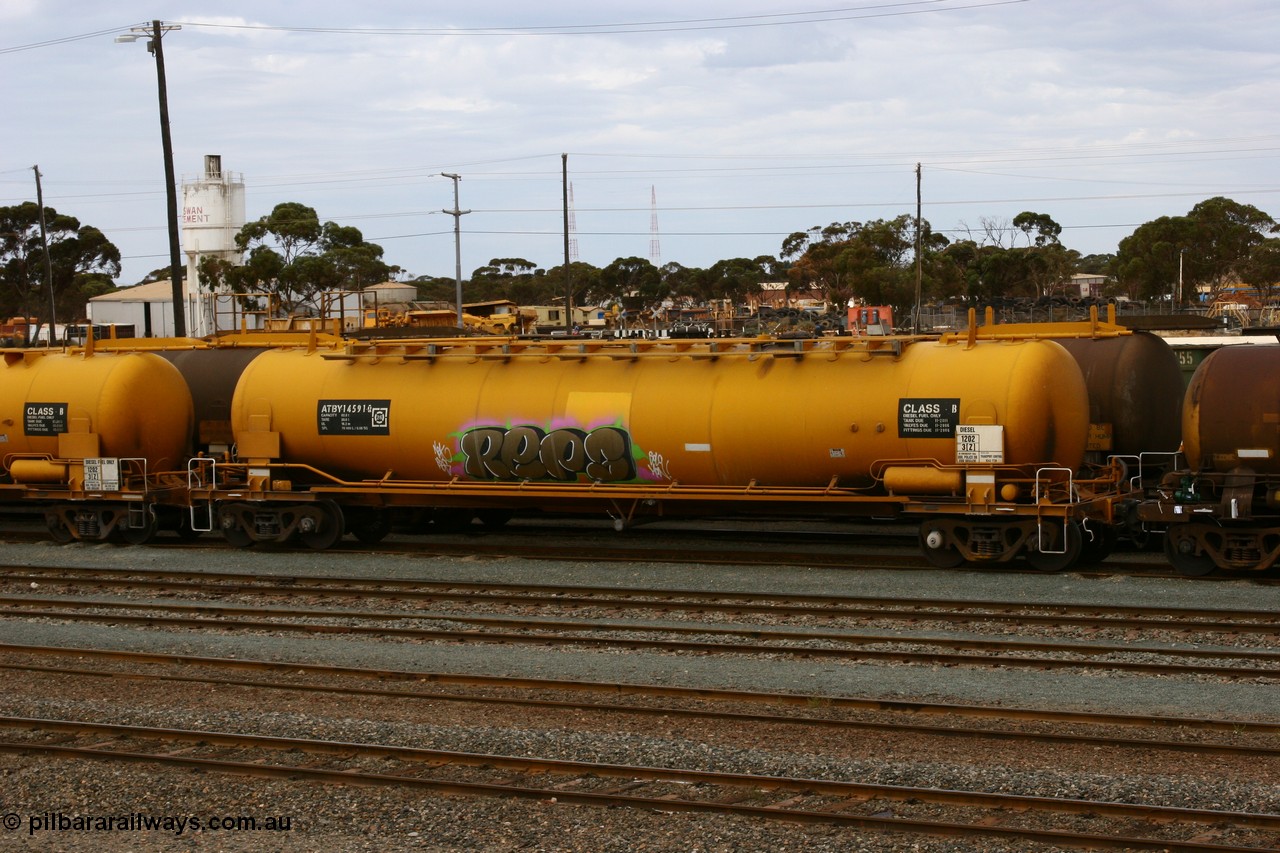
(212, 215)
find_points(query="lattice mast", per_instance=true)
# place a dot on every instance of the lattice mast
(573, 229)
(655, 247)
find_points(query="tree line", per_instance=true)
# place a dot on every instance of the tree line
(1218, 244)
(83, 263)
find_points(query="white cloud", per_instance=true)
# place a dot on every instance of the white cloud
(1102, 111)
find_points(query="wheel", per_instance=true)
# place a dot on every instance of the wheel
(140, 535)
(229, 524)
(236, 537)
(1052, 539)
(370, 526)
(328, 528)
(936, 551)
(1187, 563)
(58, 528)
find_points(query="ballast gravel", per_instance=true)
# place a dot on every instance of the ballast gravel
(55, 793)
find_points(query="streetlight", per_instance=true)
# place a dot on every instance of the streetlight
(155, 46)
(457, 238)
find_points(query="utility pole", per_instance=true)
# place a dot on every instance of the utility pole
(457, 215)
(48, 265)
(156, 46)
(1178, 301)
(915, 321)
(568, 290)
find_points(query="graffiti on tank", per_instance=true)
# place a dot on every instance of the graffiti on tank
(444, 457)
(603, 454)
(658, 465)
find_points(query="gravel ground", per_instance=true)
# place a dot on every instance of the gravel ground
(1096, 690)
(332, 818)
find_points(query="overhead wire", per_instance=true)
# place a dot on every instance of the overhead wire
(784, 165)
(775, 19)
(684, 25)
(64, 40)
(961, 163)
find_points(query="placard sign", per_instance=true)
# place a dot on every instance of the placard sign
(44, 418)
(101, 474)
(928, 417)
(353, 417)
(982, 443)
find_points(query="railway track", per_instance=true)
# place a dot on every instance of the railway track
(1251, 739)
(949, 813)
(1200, 644)
(773, 798)
(883, 608)
(591, 633)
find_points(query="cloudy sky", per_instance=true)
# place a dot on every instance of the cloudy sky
(748, 120)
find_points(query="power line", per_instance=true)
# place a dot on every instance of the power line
(831, 165)
(63, 40)
(848, 206)
(777, 19)
(784, 164)
(919, 7)
(829, 170)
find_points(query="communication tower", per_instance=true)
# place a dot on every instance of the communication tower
(573, 229)
(655, 249)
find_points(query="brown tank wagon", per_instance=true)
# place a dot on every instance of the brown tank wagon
(1135, 393)
(1223, 509)
(1135, 387)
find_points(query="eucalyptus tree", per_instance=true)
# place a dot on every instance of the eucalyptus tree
(1206, 249)
(294, 257)
(872, 261)
(631, 277)
(82, 263)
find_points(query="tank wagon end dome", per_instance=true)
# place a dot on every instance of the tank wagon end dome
(135, 402)
(1135, 385)
(1231, 414)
